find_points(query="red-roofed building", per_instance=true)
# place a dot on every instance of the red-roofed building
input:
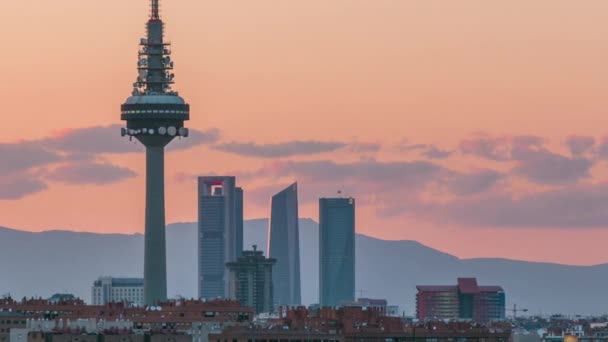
(467, 300)
(176, 314)
(354, 324)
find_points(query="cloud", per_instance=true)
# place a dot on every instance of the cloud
(90, 173)
(362, 147)
(533, 161)
(473, 183)
(91, 140)
(428, 151)
(499, 148)
(196, 138)
(261, 196)
(107, 140)
(405, 147)
(15, 157)
(17, 186)
(294, 148)
(579, 145)
(433, 152)
(287, 149)
(362, 179)
(83, 145)
(486, 147)
(602, 149)
(402, 188)
(412, 173)
(308, 192)
(546, 167)
(575, 206)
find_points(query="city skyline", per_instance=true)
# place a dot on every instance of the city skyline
(287, 104)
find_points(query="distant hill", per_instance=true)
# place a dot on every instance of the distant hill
(58, 261)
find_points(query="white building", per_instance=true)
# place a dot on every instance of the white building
(113, 290)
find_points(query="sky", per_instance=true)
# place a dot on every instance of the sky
(474, 127)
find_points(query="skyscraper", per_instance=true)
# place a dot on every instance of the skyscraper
(220, 233)
(251, 280)
(239, 221)
(155, 115)
(284, 246)
(336, 251)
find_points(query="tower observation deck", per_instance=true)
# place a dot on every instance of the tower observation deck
(154, 115)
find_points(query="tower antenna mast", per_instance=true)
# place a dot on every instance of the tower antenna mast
(154, 115)
(155, 13)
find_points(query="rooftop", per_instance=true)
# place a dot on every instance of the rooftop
(465, 286)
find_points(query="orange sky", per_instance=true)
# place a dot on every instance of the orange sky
(266, 71)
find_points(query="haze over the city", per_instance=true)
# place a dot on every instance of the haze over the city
(474, 127)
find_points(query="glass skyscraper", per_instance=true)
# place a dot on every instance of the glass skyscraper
(220, 233)
(284, 246)
(336, 251)
(239, 221)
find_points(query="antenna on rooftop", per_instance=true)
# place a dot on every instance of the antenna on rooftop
(154, 6)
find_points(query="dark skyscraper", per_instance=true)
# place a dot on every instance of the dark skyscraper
(239, 221)
(251, 280)
(220, 233)
(336, 251)
(284, 246)
(155, 115)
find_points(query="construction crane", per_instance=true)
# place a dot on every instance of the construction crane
(515, 310)
(361, 293)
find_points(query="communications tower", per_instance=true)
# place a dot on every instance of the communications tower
(155, 115)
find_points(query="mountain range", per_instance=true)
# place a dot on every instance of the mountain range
(40, 264)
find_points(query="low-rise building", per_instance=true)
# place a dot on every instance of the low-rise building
(192, 318)
(353, 324)
(106, 336)
(464, 301)
(370, 303)
(8, 322)
(117, 290)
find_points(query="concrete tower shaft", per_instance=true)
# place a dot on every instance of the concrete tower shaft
(155, 115)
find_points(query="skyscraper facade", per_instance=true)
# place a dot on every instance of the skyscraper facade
(240, 220)
(220, 233)
(336, 251)
(251, 280)
(155, 115)
(466, 300)
(284, 246)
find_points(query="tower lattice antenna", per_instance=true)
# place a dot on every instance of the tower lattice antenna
(155, 13)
